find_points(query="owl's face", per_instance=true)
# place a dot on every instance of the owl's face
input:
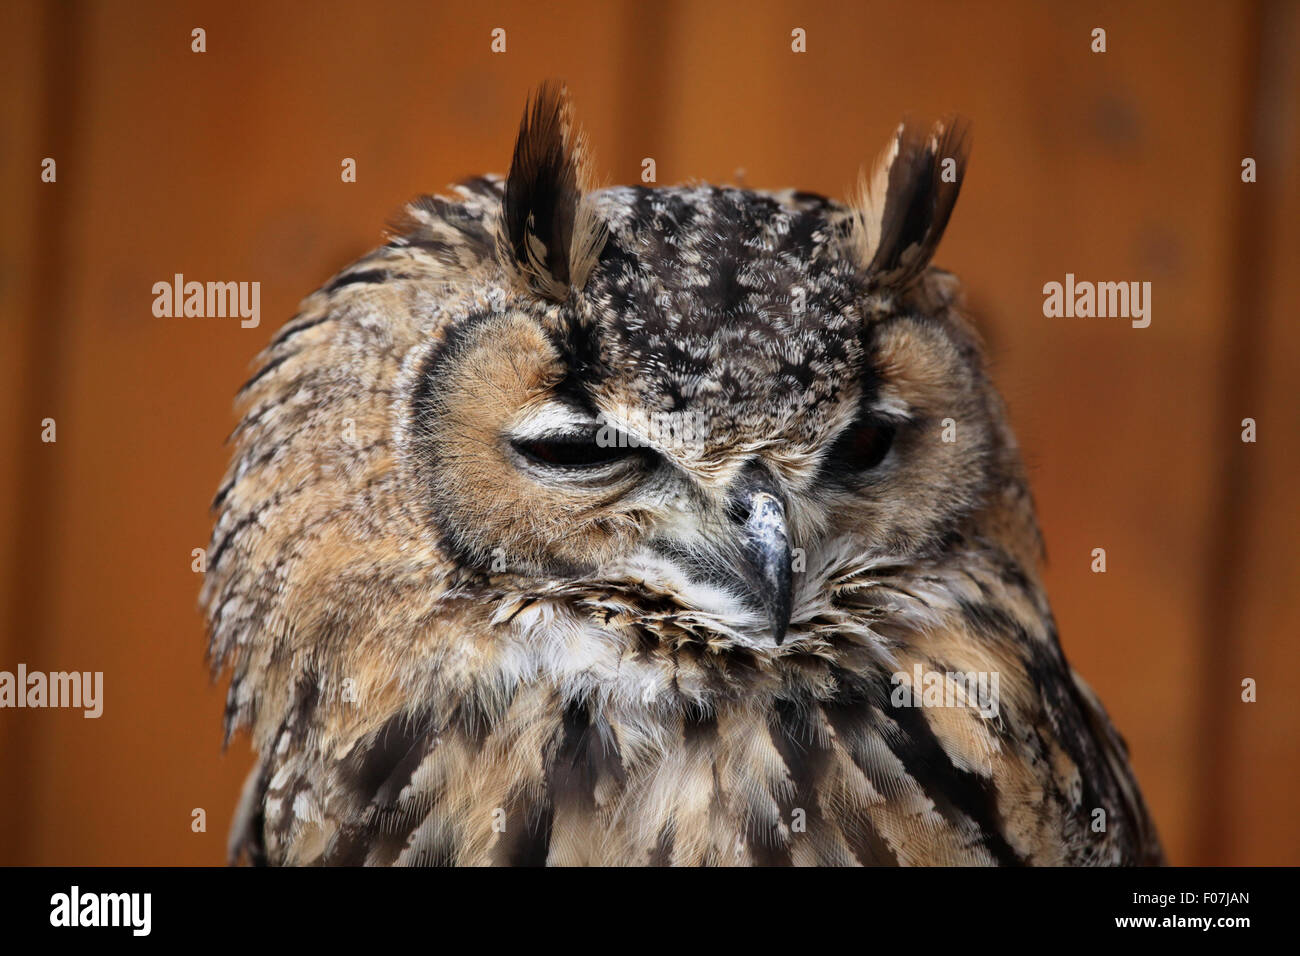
(697, 419)
(725, 395)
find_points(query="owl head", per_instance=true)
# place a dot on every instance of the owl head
(702, 405)
(683, 386)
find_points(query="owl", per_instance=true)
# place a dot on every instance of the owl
(650, 526)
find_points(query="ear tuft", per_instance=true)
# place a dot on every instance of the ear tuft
(550, 231)
(901, 210)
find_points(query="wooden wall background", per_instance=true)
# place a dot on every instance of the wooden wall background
(225, 165)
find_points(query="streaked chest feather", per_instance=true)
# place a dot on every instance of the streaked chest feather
(599, 742)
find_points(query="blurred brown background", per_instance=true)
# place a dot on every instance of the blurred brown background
(225, 166)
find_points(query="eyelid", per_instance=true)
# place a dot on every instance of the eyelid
(554, 420)
(889, 410)
(878, 418)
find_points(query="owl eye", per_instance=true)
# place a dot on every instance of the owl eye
(863, 446)
(582, 450)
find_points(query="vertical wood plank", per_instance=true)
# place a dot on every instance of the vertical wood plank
(42, 44)
(1254, 573)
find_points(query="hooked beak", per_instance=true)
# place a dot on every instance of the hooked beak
(766, 548)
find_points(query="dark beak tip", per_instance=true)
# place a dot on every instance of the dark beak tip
(776, 587)
(778, 613)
